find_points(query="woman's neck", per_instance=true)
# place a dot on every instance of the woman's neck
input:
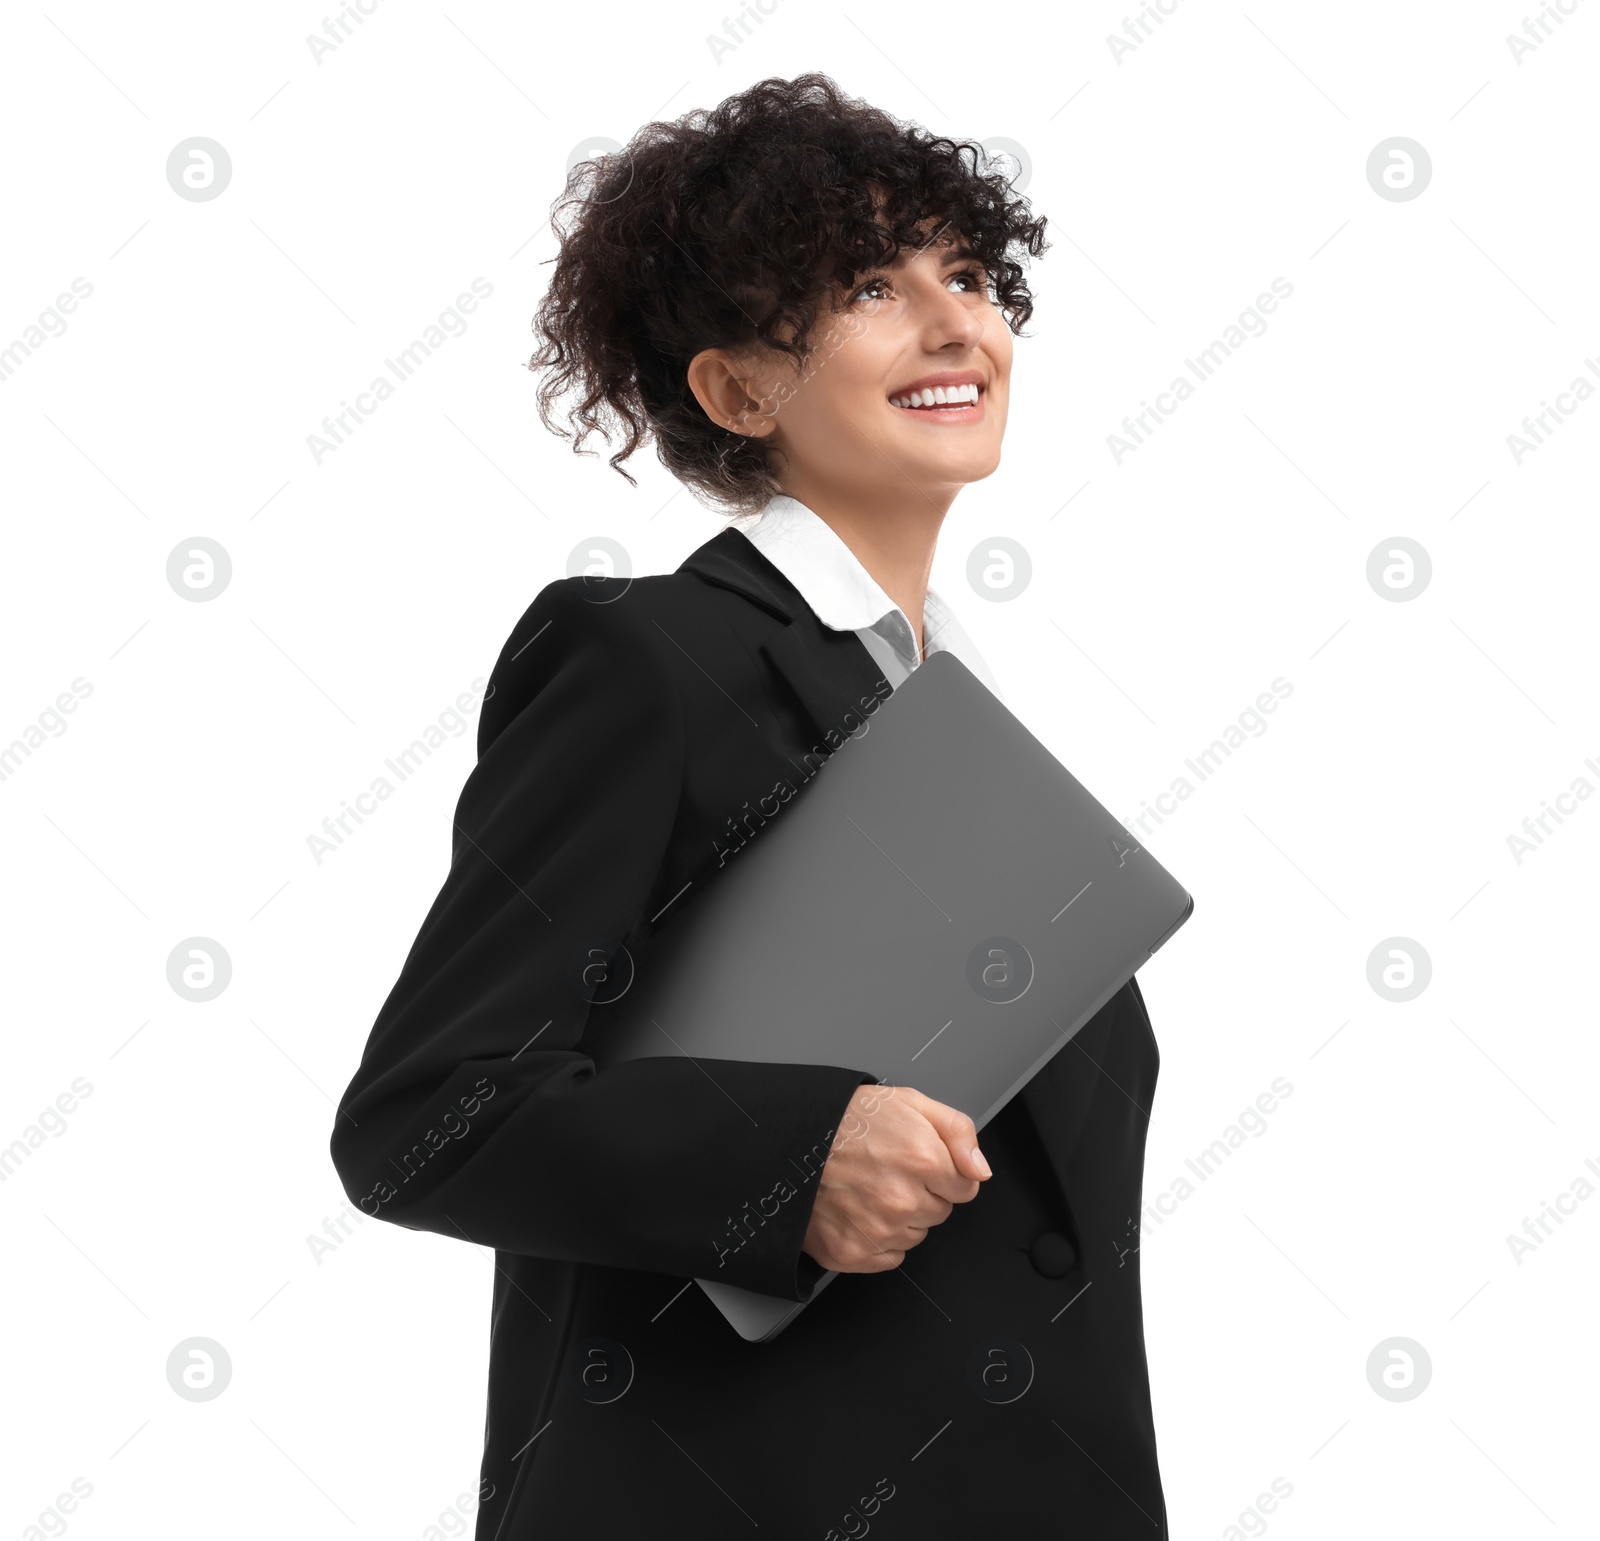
(893, 540)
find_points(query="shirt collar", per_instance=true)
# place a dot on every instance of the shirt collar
(807, 550)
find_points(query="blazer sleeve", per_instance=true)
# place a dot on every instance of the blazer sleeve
(475, 1112)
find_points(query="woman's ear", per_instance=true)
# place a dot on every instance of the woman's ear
(728, 393)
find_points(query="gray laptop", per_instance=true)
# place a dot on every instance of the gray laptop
(943, 905)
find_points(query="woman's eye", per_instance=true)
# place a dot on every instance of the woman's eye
(975, 279)
(873, 289)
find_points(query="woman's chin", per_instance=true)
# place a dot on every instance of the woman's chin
(953, 469)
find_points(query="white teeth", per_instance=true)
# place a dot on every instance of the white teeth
(937, 396)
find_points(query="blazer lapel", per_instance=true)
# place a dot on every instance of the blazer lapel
(1058, 1096)
(830, 671)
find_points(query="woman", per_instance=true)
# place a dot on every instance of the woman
(809, 308)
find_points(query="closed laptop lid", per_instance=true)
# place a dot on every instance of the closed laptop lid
(943, 904)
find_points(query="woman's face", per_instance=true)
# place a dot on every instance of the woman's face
(905, 387)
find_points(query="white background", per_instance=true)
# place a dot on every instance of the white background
(368, 190)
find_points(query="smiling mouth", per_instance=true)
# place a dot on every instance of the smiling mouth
(935, 398)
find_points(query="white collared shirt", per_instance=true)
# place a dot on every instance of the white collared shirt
(807, 550)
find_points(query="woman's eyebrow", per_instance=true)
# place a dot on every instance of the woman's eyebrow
(950, 253)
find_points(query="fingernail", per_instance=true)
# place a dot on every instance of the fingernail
(980, 1163)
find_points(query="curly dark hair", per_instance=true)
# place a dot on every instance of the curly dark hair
(746, 224)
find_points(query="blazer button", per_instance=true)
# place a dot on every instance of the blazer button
(1052, 1254)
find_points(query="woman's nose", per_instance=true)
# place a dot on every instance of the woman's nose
(947, 321)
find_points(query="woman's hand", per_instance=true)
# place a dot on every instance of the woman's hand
(899, 1164)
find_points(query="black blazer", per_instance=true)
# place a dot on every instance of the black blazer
(633, 735)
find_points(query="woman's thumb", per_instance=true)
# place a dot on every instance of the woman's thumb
(960, 1134)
